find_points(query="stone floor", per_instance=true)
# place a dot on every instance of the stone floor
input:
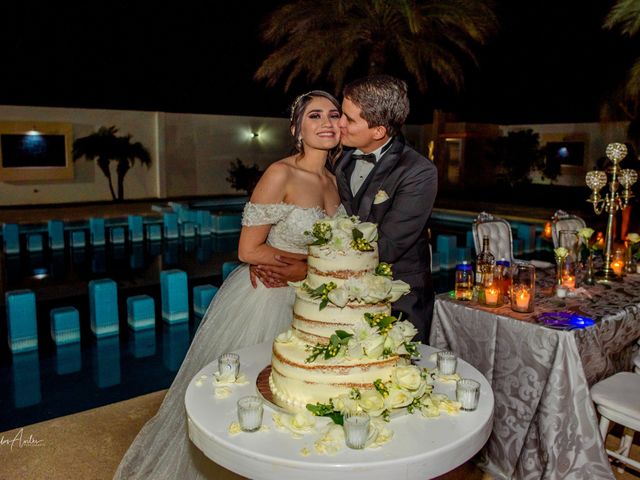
(89, 445)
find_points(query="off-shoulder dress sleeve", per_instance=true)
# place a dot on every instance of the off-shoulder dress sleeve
(264, 214)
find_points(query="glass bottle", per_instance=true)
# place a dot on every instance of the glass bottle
(504, 267)
(484, 266)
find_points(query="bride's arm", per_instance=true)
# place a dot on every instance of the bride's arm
(271, 189)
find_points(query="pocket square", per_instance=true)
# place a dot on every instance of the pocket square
(380, 197)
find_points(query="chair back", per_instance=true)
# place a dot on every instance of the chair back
(562, 220)
(499, 232)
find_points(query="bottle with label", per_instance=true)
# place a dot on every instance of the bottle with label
(484, 267)
(464, 281)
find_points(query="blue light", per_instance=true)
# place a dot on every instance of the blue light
(565, 320)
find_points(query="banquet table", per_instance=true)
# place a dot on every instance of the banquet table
(420, 448)
(545, 425)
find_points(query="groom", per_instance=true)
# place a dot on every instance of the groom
(386, 182)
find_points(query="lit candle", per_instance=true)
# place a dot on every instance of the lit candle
(491, 295)
(569, 281)
(523, 297)
(617, 267)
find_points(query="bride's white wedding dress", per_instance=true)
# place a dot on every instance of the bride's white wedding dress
(238, 316)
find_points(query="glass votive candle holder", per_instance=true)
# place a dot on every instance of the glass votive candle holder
(618, 262)
(447, 362)
(250, 411)
(468, 394)
(492, 287)
(229, 365)
(463, 287)
(568, 274)
(356, 429)
(523, 287)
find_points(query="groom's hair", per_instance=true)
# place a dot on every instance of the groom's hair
(383, 100)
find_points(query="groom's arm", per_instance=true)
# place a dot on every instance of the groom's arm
(407, 216)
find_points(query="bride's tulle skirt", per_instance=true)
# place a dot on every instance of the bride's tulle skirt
(238, 316)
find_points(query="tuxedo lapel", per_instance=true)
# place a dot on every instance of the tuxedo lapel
(364, 199)
(344, 169)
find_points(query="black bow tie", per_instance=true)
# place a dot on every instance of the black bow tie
(367, 157)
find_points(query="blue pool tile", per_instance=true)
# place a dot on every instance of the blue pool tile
(154, 231)
(527, 233)
(11, 238)
(141, 312)
(204, 223)
(116, 235)
(446, 247)
(55, 230)
(78, 239)
(96, 231)
(34, 242)
(226, 223)
(135, 224)
(435, 262)
(188, 229)
(175, 296)
(202, 296)
(103, 307)
(21, 320)
(170, 224)
(65, 325)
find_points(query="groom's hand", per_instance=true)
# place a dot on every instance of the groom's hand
(255, 274)
(292, 270)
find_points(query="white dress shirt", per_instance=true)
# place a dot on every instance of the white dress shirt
(363, 168)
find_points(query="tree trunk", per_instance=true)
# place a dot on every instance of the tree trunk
(120, 187)
(122, 169)
(104, 166)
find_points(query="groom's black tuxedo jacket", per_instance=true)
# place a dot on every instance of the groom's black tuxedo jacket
(398, 196)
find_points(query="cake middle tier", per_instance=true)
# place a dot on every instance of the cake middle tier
(316, 326)
(327, 265)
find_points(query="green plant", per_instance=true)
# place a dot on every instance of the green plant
(105, 146)
(243, 177)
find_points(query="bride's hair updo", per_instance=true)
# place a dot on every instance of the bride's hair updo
(297, 114)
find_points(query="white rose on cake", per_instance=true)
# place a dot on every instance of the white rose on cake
(346, 225)
(339, 297)
(340, 240)
(398, 289)
(372, 402)
(398, 397)
(408, 377)
(345, 404)
(369, 231)
(378, 288)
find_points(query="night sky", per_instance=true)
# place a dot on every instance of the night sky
(550, 62)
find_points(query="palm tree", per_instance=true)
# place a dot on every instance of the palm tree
(332, 38)
(625, 100)
(105, 146)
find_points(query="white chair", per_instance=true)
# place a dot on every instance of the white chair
(561, 220)
(617, 399)
(499, 232)
(500, 238)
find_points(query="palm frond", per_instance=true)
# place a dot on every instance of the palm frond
(625, 16)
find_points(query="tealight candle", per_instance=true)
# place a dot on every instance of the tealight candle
(617, 267)
(523, 297)
(447, 363)
(491, 295)
(561, 292)
(356, 429)
(569, 281)
(250, 411)
(229, 365)
(468, 394)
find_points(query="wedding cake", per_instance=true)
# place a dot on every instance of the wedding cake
(343, 337)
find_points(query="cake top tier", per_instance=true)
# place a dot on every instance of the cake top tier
(343, 234)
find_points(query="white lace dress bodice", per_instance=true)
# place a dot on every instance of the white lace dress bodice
(238, 316)
(289, 223)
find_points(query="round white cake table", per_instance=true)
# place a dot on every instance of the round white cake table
(421, 447)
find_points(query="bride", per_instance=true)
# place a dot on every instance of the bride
(291, 195)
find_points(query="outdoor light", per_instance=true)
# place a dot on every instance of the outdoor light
(612, 200)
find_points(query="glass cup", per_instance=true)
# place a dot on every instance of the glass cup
(618, 262)
(523, 287)
(250, 411)
(447, 362)
(464, 281)
(356, 429)
(569, 239)
(468, 394)
(229, 365)
(492, 287)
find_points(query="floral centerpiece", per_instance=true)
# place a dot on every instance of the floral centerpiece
(588, 247)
